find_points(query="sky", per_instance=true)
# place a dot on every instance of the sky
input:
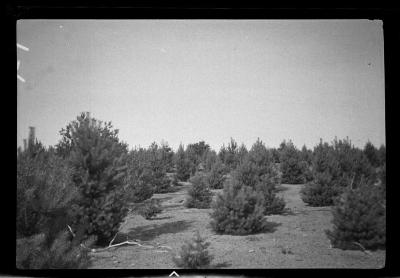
(183, 81)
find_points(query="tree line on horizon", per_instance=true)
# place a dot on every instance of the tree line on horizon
(80, 190)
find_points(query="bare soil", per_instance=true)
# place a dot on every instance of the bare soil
(294, 240)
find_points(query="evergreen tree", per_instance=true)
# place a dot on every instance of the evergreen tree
(98, 158)
(326, 171)
(359, 219)
(256, 177)
(242, 153)
(167, 156)
(139, 179)
(194, 254)
(200, 195)
(158, 167)
(45, 192)
(292, 166)
(336, 167)
(195, 154)
(372, 154)
(182, 164)
(382, 155)
(210, 158)
(216, 176)
(239, 210)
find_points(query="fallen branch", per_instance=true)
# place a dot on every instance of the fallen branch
(362, 248)
(127, 242)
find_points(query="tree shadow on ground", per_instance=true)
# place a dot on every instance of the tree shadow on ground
(150, 232)
(281, 188)
(271, 227)
(161, 218)
(164, 198)
(288, 211)
(221, 265)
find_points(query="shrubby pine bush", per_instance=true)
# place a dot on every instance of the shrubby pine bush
(196, 154)
(242, 153)
(239, 210)
(200, 195)
(150, 208)
(158, 167)
(210, 157)
(264, 182)
(194, 254)
(292, 166)
(45, 192)
(359, 218)
(323, 189)
(139, 179)
(248, 195)
(229, 155)
(306, 155)
(216, 176)
(99, 162)
(166, 156)
(182, 163)
(382, 155)
(372, 154)
(336, 167)
(63, 253)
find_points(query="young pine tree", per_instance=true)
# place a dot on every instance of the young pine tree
(194, 254)
(200, 195)
(359, 219)
(98, 157)
(138, 181)
(326, 172)
(239, 210)
(182, 164)
(216, 176)
(292, 166)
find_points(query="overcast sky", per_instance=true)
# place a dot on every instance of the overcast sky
(191, 80)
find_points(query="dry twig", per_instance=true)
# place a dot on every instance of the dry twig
(362, 248)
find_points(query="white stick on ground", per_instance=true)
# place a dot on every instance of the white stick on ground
(362, 247)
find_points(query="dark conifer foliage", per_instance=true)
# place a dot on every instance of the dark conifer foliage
(183, 165)
(194, 254)
(359, 219)
(139, 179)
(200, 195)
(336, 167)
(216, 176)
(239, 210)
(293, 167)
(372, 154)
(45, 194)
(99, 161)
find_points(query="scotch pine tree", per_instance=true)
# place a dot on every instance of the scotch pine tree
(372, 154)
(182, 164)
(138, 181)
(326, 173)
(216, 176)
(336, 167)
(292, 166)
(99, 161)
(194, 254)
(199, 195)
(359, 219)
(158, 167)
(239, 210)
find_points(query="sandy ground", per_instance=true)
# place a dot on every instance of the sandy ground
(295, 240)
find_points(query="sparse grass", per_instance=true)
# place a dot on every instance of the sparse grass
(302, 232)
